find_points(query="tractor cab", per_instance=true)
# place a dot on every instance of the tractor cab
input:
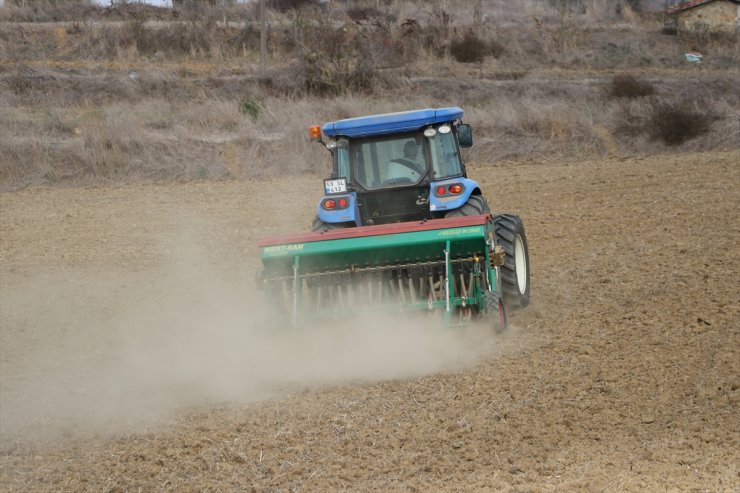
(392, 168)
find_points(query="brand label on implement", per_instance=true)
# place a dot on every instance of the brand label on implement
(297, 247)
(460, 231)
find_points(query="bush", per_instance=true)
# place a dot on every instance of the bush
(335, 59)
(326, 77)
(470, 49)
(288, 5)
(674, 124)
(173, 39)
(628, 86)
(251, 108)
(363, 14)
(47, 3)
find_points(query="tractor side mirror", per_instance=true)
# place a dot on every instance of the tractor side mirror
(465, 135)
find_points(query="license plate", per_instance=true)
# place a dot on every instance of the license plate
(335, 186)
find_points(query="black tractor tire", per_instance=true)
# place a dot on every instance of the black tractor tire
(475, 206)
(496, 312)
(319, 225)
(514, 274)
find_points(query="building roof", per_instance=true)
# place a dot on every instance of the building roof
(690, 4)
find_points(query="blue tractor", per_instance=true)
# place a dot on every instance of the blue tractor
(406, 167)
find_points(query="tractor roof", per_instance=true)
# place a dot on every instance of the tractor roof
(391, 123)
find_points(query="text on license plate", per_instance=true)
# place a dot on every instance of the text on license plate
(335, 186)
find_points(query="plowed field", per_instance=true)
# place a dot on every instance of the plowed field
(134, 353)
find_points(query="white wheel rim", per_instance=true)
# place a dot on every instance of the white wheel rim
(520, 257)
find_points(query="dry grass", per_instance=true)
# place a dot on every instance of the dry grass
(213, 138)
(131, 93)
(155, 139)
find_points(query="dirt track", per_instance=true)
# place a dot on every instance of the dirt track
(622, 375)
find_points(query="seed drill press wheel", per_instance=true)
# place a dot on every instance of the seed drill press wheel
(496, 312)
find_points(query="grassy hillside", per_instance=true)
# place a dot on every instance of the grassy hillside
(111, 95)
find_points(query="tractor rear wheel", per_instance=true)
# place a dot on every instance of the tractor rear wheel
(510, 235)
(319, 225)
(475, 206)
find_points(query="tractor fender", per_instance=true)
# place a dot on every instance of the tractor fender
(347, 214)
(439, 203)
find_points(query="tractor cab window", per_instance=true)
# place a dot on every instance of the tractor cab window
(341, 159)
(389, 162)
(445, 156)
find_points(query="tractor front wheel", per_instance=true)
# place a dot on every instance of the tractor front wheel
(511, 237)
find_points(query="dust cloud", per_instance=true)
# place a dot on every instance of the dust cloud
(87, 352)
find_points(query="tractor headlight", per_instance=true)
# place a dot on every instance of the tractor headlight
(444, 129)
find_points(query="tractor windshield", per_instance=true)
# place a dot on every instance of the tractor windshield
(388, 162)
(398, 160)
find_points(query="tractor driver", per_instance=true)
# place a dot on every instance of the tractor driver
(406, 169)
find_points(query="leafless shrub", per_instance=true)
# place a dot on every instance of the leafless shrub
(45, 10)
(46, 3)
(335, 60)
(363, 14)
(325, 77)
(79, 10)
(438, 31)
(629, 86)
(175, 39)
(248, 37)
(192, 38)
(288, 5)
(602, 12)
(669, 29)
(194, 4)
(469, 49)
(675, 123)
(565, 31)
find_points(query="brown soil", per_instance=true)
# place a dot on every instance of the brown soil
(125, 366)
